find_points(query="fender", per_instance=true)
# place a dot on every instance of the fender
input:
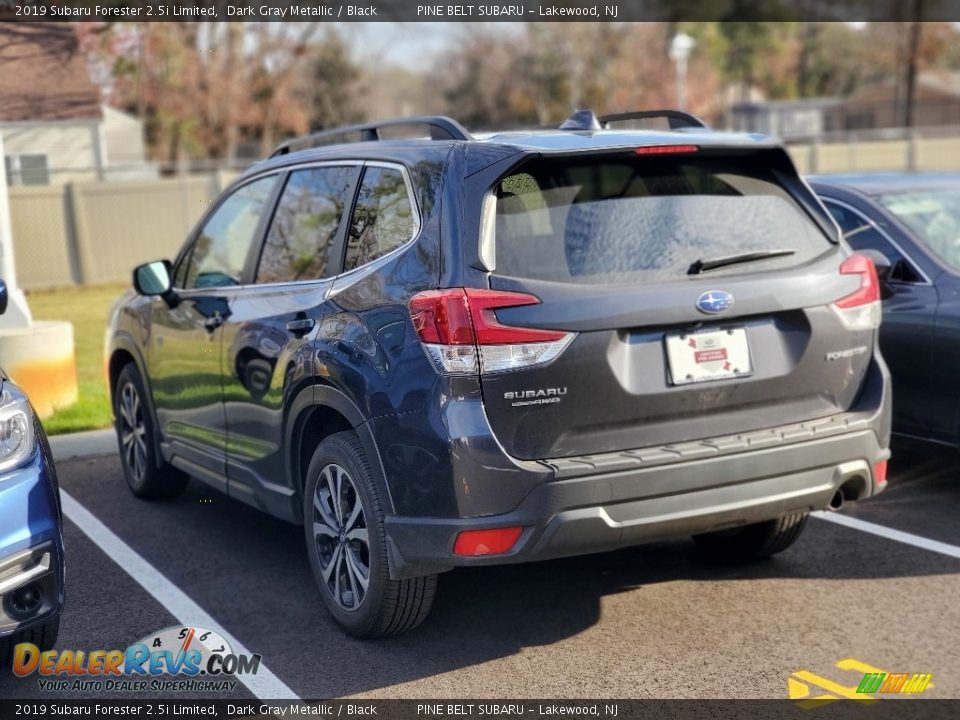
(325, 396)
(121, 340)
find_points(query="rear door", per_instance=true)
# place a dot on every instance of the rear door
(697, 289)
(266, 358)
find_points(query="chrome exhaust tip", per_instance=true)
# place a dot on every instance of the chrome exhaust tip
(836, 502)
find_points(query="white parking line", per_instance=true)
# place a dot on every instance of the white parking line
(265, 685)
(891, 534)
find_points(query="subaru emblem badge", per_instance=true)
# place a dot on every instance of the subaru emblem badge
(714, 301)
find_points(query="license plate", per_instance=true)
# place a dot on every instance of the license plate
(705, 356)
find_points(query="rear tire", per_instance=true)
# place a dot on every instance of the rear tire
(346, 544)
(135, 438)
(752, 542)
(44, 636)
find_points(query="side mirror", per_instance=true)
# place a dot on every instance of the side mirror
(154, 278)
(4, 297)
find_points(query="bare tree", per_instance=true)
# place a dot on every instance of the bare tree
(912, 61)
(279, 55)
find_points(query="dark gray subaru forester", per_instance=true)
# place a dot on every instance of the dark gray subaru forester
(451, 350)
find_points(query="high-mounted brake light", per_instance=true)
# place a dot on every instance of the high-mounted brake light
(461, 334)
(666, 149)
(860, 310)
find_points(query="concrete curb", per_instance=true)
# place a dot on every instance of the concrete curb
(91, 443)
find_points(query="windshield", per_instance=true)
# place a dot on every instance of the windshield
(627, 219)
(934, 218)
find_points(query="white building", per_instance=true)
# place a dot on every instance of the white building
(54, 128)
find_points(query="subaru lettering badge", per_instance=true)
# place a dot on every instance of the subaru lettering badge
(714, 301)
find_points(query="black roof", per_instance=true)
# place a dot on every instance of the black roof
(441, 127)
(566, 141)
(501, 144)
(582, 131)
(402, 152)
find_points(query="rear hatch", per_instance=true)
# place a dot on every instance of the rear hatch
(687, 294)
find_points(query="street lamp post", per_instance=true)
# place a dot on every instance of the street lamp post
(680, 48)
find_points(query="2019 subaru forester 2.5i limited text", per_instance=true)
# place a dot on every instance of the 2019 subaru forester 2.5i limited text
(452, 350)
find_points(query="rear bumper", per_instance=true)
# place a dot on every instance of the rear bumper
(604, 511)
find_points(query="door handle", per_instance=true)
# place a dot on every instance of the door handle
(213, 322)
(300, 326)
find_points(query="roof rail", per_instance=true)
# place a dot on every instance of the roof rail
(676, 118)
(441, 128)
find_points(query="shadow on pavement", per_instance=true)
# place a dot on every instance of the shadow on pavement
(250, 572)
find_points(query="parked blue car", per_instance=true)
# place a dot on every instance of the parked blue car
(31, 526)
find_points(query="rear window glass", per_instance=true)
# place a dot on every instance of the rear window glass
(628, 219)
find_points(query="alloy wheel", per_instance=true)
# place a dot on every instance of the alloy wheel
(342, 538)
(133, 432)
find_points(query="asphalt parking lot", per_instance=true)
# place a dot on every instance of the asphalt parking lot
(649, 622)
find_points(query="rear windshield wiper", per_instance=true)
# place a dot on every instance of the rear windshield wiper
(704, 265)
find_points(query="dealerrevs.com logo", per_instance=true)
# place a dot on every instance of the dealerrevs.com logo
(175, 658)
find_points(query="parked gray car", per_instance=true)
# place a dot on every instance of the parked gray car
(455, 351)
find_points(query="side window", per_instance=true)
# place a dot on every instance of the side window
(861, 235)
(220, 251)
(382, 218)
(304, 226)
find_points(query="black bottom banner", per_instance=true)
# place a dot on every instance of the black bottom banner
(871, 709)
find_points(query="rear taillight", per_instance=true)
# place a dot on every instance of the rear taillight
(471, 543)
(880, 473)
(461, 334)
(860, 310)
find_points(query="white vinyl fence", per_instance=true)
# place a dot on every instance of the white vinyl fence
(86, 233)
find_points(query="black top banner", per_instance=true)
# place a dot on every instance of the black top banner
(526, 11)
